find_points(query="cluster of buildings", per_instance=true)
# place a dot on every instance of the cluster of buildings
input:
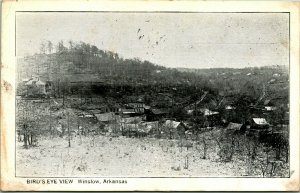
(137, 117)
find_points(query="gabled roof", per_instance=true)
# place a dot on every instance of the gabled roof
(40, 83)
(171, 124)
(30, 82)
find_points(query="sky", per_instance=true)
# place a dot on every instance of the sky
(185, 40)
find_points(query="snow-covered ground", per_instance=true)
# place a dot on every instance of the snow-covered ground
(102, 156)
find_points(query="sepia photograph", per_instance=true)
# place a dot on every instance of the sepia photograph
(105, 97)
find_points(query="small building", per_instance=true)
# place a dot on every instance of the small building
(148, 127)
(258, 123)
(229, 107)
(173, 129)
(136, 105)
(35, 87)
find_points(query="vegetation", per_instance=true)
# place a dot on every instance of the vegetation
(81, 75)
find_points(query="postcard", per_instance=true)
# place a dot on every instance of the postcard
(150, 96)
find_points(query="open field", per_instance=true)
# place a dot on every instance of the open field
(118, 156)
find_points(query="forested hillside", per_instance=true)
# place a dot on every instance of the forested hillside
(84, 62)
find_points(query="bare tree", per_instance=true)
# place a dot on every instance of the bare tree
(43, 48)
(50, 47)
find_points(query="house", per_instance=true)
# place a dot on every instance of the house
(155, 114)
(36, 87)
(173, 129)
(149, 126)
(258, 123)
(110, 108)
(270, 108)
(137, 106)
(107, 117)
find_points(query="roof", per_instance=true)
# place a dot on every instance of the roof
(40, 83)
(234, 126)
(132, 119)
(151, 123)
(30, 82)
(267, 102)
(260, 121)
(95, 111)
(188, 124)
(229, 107)
(128, 111)
(106, 117)
(147, 126)
(33, 80)
(25, 79)
(171, 124)
(270, 108)
(147, 107)
(208, 112)
(92, 106)
(158, 111)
